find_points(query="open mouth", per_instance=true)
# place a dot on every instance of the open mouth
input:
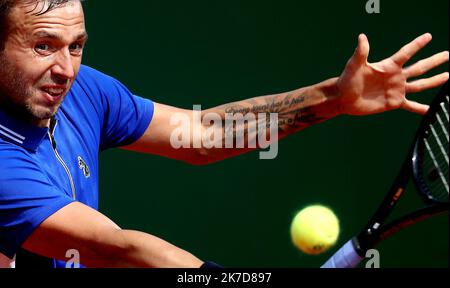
(53, 94)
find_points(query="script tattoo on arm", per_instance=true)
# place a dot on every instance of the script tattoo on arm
(284, 113)
(296, 111)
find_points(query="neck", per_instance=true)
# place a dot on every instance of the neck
(22, 114)
(41, 123)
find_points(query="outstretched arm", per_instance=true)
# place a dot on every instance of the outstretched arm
(362, 89)
(101, 243)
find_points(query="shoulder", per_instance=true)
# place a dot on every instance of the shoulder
(89, 73)
(90, 77)
(23, 181)
(11, 152)
(95, 84)
(15, 161)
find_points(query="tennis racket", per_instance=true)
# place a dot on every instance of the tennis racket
(427, 164)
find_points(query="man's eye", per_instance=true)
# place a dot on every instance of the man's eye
(42, 47)
(77, 48)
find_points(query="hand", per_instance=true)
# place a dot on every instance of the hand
(369, 88)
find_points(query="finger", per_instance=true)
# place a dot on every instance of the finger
(428, 83)
(415, 107)
(426, 65)
(409, 50)
(362, 52)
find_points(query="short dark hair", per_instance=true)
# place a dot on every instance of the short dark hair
(7, 5)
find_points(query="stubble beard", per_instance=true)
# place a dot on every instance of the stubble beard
(17, 98)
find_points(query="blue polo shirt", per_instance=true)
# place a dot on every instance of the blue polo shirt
(44, 169)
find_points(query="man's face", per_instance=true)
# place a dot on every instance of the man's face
(41, 59)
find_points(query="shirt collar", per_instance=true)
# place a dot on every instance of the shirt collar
(20, 133)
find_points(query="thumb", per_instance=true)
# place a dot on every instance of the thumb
(363, 49)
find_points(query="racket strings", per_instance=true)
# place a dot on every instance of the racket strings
(436, 162)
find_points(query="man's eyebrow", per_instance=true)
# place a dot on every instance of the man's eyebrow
(48, 35)
(83, 36)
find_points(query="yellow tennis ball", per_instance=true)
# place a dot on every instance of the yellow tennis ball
(315, 229)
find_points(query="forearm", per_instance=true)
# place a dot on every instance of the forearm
(99, 242)
(134, 249)
(295, 111)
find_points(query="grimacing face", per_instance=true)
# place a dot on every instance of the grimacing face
(41, 59)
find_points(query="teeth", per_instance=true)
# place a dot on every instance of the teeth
(54, 91)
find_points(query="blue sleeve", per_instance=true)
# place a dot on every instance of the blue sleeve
(125, 117)
(27, 198)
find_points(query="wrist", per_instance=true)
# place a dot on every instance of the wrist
(331, 105)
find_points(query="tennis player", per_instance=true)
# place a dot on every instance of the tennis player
(57, 115)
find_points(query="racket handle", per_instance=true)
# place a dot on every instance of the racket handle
(345, 257)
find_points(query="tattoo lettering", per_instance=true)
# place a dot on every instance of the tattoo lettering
(293, 109)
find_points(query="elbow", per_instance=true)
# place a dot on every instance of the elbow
(201, 157)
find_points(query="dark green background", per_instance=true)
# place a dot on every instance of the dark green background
(238, 212)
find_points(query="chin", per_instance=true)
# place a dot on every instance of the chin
(44, 113)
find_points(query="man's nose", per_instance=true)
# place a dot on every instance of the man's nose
(63, 67)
